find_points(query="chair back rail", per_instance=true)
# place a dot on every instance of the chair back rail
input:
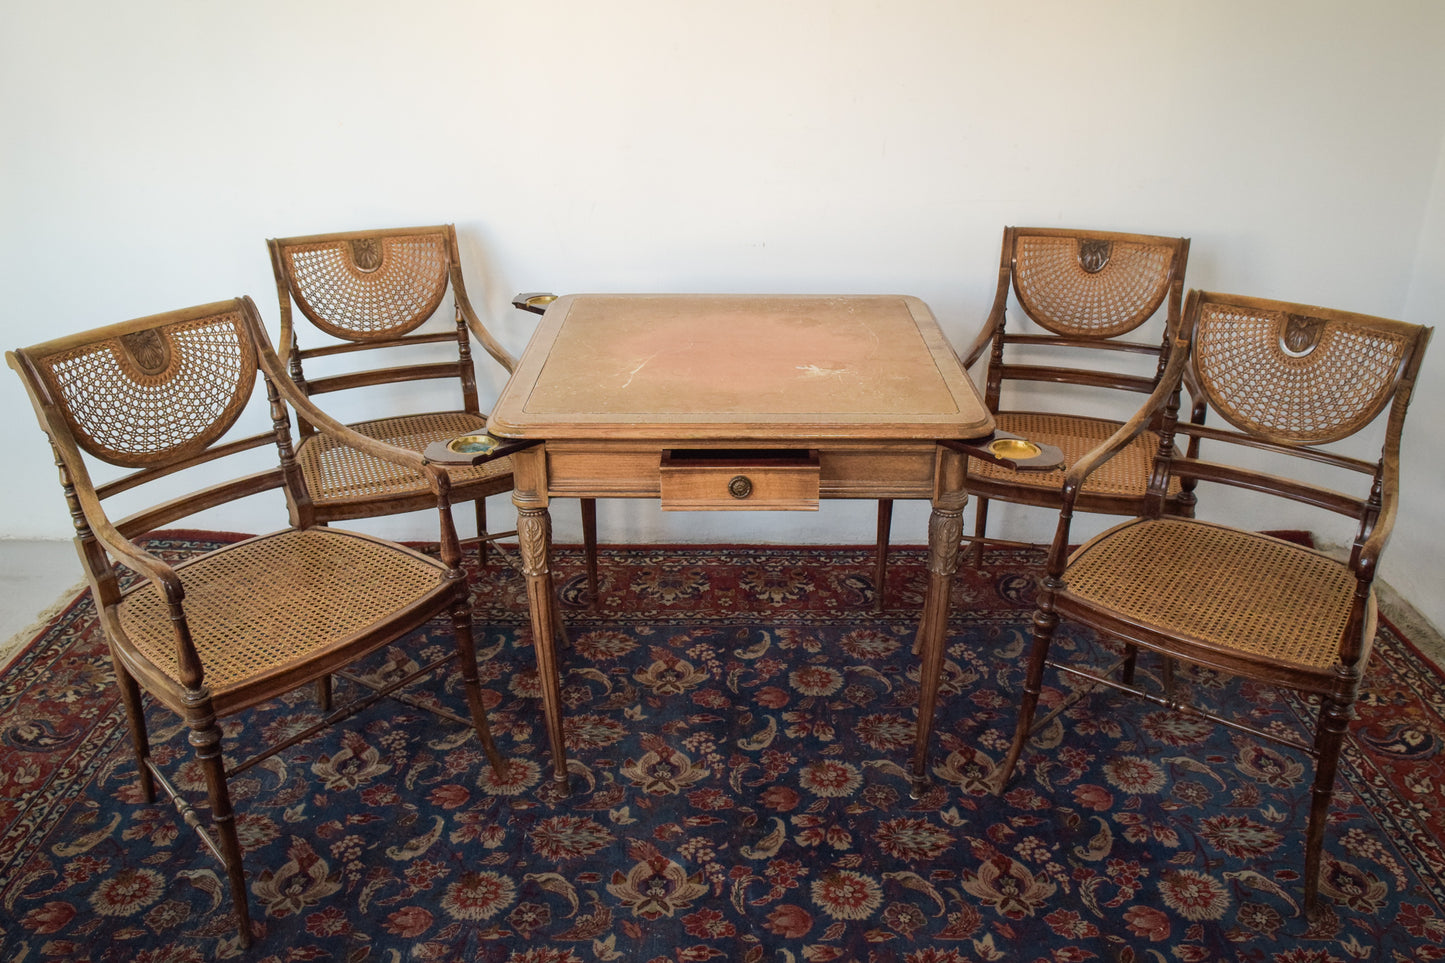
(380, 376)
(437, 337)
(216, 452)
(193, 503)
(1095, 379)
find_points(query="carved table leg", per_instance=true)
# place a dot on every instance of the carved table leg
(945, 531)
(534, 538)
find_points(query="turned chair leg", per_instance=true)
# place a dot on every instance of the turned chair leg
(1043, 632)
(589, 545)
(323, 693)
(1333, 722)
(205, 737)
(880, 556)
(481, 533)
(467, 662)
(139, 738)
(1131, 663)
(980, 525)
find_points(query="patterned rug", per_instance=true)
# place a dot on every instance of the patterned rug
(739, 723)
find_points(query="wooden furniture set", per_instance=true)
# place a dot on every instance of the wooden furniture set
(670, 397)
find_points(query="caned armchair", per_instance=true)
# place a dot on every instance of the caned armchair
(372, 291)
(1087, 294)
(1293, 386)
(159, 398)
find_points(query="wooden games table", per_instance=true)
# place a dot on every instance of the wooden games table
(739, 402)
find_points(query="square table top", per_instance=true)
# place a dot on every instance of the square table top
(761, 367)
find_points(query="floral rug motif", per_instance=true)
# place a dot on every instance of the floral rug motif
(739, 723)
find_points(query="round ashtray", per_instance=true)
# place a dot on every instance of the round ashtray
(541, 300)
(473, 444)
(1016, 448)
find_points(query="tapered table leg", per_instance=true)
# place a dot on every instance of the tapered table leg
(945, 532)
(534, 539)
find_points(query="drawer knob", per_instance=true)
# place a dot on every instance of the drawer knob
(740, 486)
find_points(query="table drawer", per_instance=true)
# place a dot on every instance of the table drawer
(723, 479)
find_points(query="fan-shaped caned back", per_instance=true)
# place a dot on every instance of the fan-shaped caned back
(156, 390)
(1090, 287)
(368, 288)
(1297, 377)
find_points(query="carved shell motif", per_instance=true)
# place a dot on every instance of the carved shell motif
(1094, 254)
(366, 253)
(147, 350)
(1301, 335)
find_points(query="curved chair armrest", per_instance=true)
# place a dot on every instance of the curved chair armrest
(160, 575)
(996, 315)
(307, 409)
(1365, 559)
(479, 331)
(127, 552)
(437, 478)
(135, 558)
(985, 335)
(1108, 448)
(1131, 429)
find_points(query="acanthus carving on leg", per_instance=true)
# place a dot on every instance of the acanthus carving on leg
(945, 529)
(534, 533)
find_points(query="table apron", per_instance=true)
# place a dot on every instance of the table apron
(630, 470)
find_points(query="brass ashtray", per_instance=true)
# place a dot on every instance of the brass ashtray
(540, 300)
(1015, 448)
(473, 444)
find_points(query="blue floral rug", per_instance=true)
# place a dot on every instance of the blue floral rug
(739, 723)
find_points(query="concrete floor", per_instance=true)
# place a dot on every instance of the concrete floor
(37, 576)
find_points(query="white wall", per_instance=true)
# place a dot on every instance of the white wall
(1413, 565)
(149, 148)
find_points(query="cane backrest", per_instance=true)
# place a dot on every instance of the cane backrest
(371, 287)
(1296, 375)
(158, 402)
(1091, 284)
(1300, 395)
(151, 397)
(1298, 384)
(155, 395)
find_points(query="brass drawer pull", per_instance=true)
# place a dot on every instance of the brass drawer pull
(739, 479)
